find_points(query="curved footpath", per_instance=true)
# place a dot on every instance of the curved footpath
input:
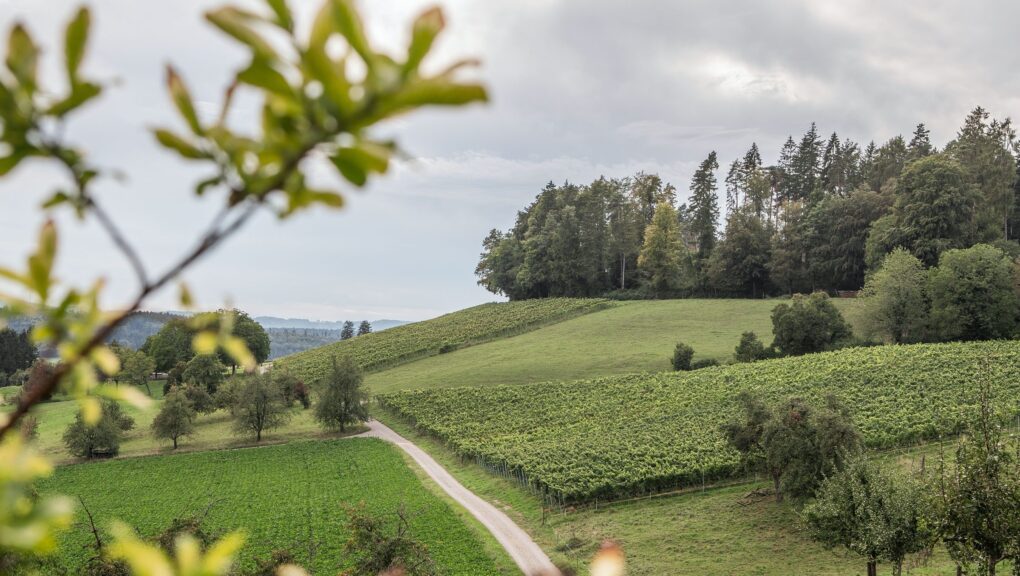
(528, 556)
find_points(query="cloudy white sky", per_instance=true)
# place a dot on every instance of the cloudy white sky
(580, 89)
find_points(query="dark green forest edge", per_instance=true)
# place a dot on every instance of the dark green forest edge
(820, 218)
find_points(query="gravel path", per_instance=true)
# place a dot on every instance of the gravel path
(528, 556)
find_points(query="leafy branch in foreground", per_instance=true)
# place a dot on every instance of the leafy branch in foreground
(314, 105)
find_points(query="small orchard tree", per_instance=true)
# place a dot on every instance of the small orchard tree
(38, 375)
(201, 401)
(259, 406)
(101, 439)
(876, 513)
(750, 348)
(979, 495)
(176, 418)
(808, 324)
(138, 368)
(206, 371)
(342, 401)
(682, 356)
(348, 331)
(364, 328)
(795, 443)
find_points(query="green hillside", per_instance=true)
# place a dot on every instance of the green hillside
(617, 436)
(277, 494)
(440, 335)
(628, 337)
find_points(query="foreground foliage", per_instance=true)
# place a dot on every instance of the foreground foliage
(439, 335)
(617, 436)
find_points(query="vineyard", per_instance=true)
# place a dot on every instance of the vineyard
(628, 435)
(443, 334)
(280, 495)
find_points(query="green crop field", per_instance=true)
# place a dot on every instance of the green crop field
(628, 337)
(443, 334)
(276, 495)
(617, 436)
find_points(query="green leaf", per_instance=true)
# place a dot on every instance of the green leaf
(436, 92)
(282, 11)
(56, 200)
(10, 162)
(75, 38)
(347, 22)
(206, 184)
(262, 75)
(40, 264)
(80, 94)
(350, 167)
(423, 33)
(182, 99)
(22, 57)
(174, 142)
(235, 23)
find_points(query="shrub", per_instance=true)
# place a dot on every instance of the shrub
(704, 363)
(448, 347)
(750, 348)
(682, 356)
(808, 324)
(104, 438)
(268, 566)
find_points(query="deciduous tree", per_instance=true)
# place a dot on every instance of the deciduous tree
(176, 418)
(342, 401)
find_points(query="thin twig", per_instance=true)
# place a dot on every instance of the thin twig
(119, 240)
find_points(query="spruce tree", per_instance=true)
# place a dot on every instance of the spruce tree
(805, 166)
(348, 331)
(784, 170)
(920, 144)
(661, 255)
(704, 206)
(734, 186)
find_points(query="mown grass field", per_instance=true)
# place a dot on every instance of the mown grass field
(627, 337)
(440, 335)
(619, 436)
(276, 495)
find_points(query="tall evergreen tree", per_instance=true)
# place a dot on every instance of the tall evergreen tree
(364, 328)
(704, 206)
(347, 332)
(832, 166)
(920, 143)
(662, 254)
(734, 186)
(805, 166)
(785, 179)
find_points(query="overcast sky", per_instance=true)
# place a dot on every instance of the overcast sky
(579, 89)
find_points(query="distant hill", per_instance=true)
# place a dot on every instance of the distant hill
(286, 335)
(275, 322)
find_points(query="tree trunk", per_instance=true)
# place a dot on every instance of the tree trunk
(991, 566)
(779, 490)
(872, 568)
(258, 435)
(175, 442)
(623, 271)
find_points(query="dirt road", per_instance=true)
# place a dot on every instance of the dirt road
(528, 556)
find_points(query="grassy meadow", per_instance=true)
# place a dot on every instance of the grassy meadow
(628, 337)
(278, 495)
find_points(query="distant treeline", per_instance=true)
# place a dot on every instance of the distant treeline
(285, 341)
(819, 218)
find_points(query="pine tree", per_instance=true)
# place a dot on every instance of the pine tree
(348, 331)
(831, 169)
(364, 328)
(661, 255)
(752, 159)
(704, 206)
